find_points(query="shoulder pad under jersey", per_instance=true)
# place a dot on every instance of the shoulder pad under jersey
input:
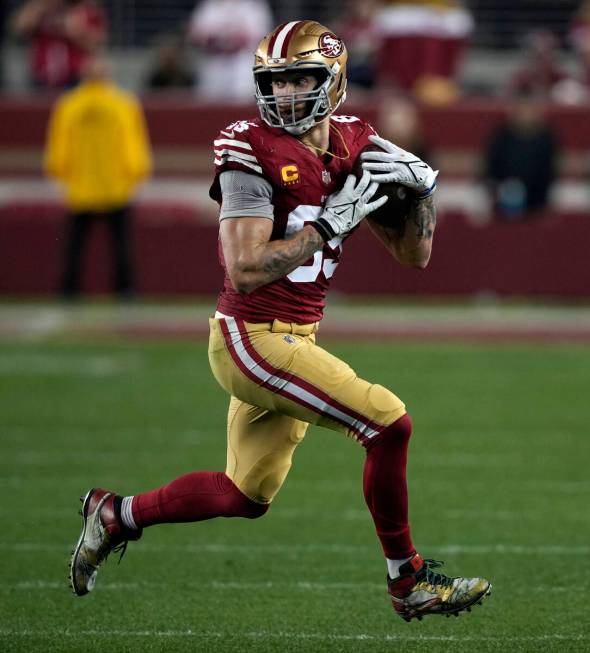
(233, 148)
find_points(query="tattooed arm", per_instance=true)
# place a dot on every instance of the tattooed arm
(412, 244)
(252, 260)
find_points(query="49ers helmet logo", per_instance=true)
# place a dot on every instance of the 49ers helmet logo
(331, 45)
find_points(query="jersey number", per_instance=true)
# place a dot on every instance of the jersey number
(322, 261)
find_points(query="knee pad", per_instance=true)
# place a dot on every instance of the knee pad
(401, 429)
(264, 479)
(238, 504)
(255, 510)
(247, 508)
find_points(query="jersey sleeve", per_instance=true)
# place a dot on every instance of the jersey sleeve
(233, 150)
(245, 195)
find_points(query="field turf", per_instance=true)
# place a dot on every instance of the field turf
(499, 481)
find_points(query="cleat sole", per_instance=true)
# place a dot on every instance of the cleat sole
(84, 499)
(412, 614)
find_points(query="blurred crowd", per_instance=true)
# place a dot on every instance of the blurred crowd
(414, 47)
(405, 54)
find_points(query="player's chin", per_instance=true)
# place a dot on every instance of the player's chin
(288, 111)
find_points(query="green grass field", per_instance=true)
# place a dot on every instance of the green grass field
(499, 481)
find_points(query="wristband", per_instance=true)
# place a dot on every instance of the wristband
(323, 228)
(425, 193)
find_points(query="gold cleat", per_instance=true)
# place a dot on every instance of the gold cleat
(419, 590)
(102, 532)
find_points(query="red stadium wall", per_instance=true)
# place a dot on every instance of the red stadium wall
(174, 254)
(182, 132)
(185, 122)
(175, 247)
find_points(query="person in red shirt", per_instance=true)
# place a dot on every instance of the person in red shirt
(288, 203)
(62, 34)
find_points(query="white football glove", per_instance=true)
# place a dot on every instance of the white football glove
(395, 164)
(347, 207)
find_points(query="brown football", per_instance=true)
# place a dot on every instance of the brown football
(394, 212)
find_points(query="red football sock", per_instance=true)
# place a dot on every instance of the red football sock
(385, 488)
(194, 497)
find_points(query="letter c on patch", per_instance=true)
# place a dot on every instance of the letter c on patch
(289, 174)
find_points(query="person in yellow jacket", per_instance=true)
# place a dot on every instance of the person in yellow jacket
(98, 149)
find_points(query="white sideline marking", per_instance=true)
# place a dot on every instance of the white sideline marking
(529, 485)
(296, 636)
(363, 515)
(255, 547)
(46, 322)
(211, 585)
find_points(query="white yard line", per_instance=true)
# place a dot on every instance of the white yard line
(191, 634)
(255, 548)
(23, 363)
(214, 585)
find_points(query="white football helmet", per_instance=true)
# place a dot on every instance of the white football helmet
(309, 47)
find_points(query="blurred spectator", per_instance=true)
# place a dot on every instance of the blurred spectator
(226, 32)
(357, 29)
(170, 70)
(97, 147)
(520, 161)
(541, 71)
(580, 38)
(3, 15)
(421, 46)
(398, 121)
(62, 34)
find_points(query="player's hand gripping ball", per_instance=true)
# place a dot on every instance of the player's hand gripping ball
(394, 212)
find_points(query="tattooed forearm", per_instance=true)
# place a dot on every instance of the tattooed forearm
(410, 240)
(283, 256)
(252, 259)
(422, 218)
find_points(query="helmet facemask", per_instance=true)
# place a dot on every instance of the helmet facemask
(318, 102)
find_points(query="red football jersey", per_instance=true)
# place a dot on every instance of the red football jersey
(301, 182)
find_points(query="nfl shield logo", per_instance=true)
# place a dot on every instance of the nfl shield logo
(326, 177)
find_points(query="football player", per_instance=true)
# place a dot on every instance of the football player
(288, 202)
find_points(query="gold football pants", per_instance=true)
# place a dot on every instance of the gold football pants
(280, 381)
